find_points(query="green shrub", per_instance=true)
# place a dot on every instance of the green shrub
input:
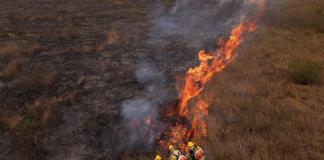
(305, 71)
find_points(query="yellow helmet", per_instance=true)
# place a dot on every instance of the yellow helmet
(158, 157)
(190, 144)
(170, 147)
(173, 158)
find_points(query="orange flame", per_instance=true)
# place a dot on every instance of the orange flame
(197, 77)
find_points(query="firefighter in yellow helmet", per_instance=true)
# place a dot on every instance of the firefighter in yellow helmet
(176, 154)
(158, 157)
(195, 152)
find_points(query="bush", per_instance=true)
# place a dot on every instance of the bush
(305, 71)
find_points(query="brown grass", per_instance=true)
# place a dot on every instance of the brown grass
(9, 119)
(12, 67)
(47, 110)
(112, 37)
(39, 79)
(15, 55)
(86, 50)
(34, 49)
(298, 14)
(68, 34)
(44, 112)
(10, 50)
(257, 111)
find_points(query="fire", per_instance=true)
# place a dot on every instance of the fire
(196, 78)
(210, 64)
(191, 105)
(190, 122)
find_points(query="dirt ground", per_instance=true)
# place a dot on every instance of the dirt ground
(67, 66)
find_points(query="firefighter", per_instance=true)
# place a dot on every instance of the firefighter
(195, 152)
(176, 154)
(158, 157)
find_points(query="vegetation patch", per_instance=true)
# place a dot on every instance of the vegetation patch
(28, 127)
(305, 72)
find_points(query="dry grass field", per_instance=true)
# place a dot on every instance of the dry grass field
(67, 66)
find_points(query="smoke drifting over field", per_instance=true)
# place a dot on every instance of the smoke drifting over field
(195, 24)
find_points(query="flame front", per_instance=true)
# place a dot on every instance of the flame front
(210, 64)
(196, 78)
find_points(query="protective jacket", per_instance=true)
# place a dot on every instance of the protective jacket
(177, 155)
(196, 153)
(158, 157)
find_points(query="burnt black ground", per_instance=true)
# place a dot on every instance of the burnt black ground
(101, 78)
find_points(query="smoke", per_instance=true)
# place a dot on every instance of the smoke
(140, 114)
(135, 109)
(198, 23)
(189, 22)
(136, 112)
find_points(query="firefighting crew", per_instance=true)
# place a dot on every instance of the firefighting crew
(195, 152)
(176, 154)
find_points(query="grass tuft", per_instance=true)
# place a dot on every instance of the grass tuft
(305, 72)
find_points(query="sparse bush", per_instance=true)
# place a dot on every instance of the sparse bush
(305, 71)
